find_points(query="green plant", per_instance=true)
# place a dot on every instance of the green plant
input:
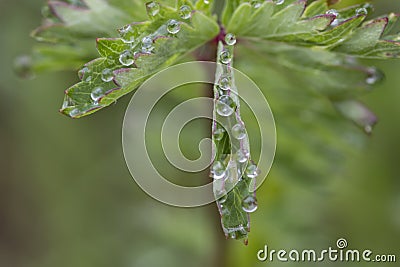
(315, 44)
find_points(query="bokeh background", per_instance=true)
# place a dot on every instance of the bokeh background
(67, 198)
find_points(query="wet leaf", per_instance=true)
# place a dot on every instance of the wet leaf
(143, 49)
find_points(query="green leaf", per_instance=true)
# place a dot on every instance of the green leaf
(316, 8)
(164, 49)
(364, 38)
(358, 113)
(235, 190)
(73, 25)
(296, 24)
(230, 7)
(317, 74)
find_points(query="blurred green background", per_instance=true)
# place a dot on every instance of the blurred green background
(67, 198)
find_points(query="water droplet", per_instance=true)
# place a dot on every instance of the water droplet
(126, 58)
(225, 83)
(230, 39)
(238, 131)
(332, 12)
(84, 73)
(219, 134)
(206, 2)
(361, 11)
(224, 106)
(242, 156)
(252, 171)
(255, 4)
(81, 72)
(173, 26)
(23, 67)
(68, 102)
(127, 34)
(147, 44)
(218, 170)
(107, 75)
(88, 79)
(249, 204)
(185, 12)
(374, 76)
(75, 112)
(147, 41)
(225, 57)
(225, 211)
(153, 8)
(232, 235)
(279, 2)
(221, 196)
(237, 232)
(96, 94)
(368, 129)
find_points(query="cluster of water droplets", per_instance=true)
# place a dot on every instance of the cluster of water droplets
(137, 42)
(229, 169)
(361, 11)
(145, 43)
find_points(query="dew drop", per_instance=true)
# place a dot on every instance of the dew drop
(83, 73)
(361, 11)
(222, 196)
(153, 8)
(218, 170)
(147, 44)
(230, 39)
(126, 58)
(127, 34)
(238, 131)
(225, 57)
(255, 4)
(279, 2)
(224, 106)
(332, 12)
(225, 211)
(107, 75)
(173, 26)
(185, 12)
(75, 112)
(219, 134)
(232, 235)
(96, 94)
(241, 156)
(368, 129)
(237, 232)
(252, 171)
(374, 76)
(68, 102)
(249, 204)
(23, 67)
(225, 83)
